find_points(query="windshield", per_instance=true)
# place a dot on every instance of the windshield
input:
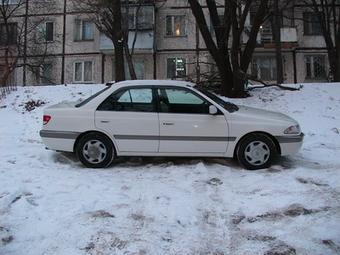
(91, 97)
(230, 107)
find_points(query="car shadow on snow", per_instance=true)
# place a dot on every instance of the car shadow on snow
(172, 161)
(69, 158)
(280, 163)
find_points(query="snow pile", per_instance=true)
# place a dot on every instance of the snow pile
(51, 204)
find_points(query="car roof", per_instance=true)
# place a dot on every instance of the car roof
(152, 82)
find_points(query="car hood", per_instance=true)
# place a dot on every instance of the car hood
(263, 115)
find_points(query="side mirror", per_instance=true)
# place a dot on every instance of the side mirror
(213, 110)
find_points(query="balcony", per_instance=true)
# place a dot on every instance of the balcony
(144, 42)
(288, 38)
(140, 21)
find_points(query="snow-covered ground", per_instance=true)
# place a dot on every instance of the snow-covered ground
(51, 204)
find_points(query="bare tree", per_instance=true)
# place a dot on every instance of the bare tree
(229, 30)
(113, 19)
(276, 28)
(107, 15)
(131, 10)
(328, 13)
(19, 39)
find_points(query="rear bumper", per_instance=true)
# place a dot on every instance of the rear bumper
(290, 144)
(59, 140)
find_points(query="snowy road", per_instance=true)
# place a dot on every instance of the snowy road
(50, 204)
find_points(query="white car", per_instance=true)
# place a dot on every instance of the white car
(167, 118)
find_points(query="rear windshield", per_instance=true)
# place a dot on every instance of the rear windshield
(91, 97)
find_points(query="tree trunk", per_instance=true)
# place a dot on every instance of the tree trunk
(226, 76)
(119, 62)
(118, 40)
(276, 30)
(125, 28)
(251, 44)
(217, 53)
(337, 63)
(129, 61)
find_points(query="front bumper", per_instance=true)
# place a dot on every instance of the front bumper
(290, 144)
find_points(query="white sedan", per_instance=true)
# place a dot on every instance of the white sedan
(167, 118)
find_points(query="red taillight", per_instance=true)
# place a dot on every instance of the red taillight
(46, 119)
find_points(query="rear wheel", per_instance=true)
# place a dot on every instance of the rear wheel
(95, 150)
(256, 151)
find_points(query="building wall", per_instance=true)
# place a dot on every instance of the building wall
(190, 46)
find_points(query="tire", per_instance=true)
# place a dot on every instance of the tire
(95, 150)
(256, 151)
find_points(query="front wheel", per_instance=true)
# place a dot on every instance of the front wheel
(256, 151)
(95, 150)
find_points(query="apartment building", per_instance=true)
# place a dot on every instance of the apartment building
(168, 45)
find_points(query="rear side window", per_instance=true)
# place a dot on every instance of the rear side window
(178, 100)
(130, 100)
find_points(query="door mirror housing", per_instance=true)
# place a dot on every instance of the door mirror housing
(213, 110)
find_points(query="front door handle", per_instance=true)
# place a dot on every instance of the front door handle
(105, 121)
(168, 123)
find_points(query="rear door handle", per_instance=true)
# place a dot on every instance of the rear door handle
(168, 123)
(105, 121)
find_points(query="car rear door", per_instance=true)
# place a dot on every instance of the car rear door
(130, 116)
(186, 125)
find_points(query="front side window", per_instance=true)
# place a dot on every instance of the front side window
(264, 68)
(176, 68)
(311, 24)
(175, 25)
(130, 100)
(83, 71)
(315, 67)
(84, 30)
(177, 100)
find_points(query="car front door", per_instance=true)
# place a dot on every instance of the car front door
(186, 125)
(130, 116)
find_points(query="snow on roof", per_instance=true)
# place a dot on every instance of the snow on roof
(153, 82)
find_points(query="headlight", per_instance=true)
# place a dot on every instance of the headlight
(293, 130)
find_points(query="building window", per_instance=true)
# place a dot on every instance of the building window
(11, 78)
(45, 32)
(144, 19)
(175, 25)
(43, 73)
(264, 68)
(8, 34)
(315, 67)
(8, 2)
(49, 31)
(83, 71)
(221, 18)
(176, 68)
(139, 69)
(311, 24)
(84, 30)
(46, 73)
